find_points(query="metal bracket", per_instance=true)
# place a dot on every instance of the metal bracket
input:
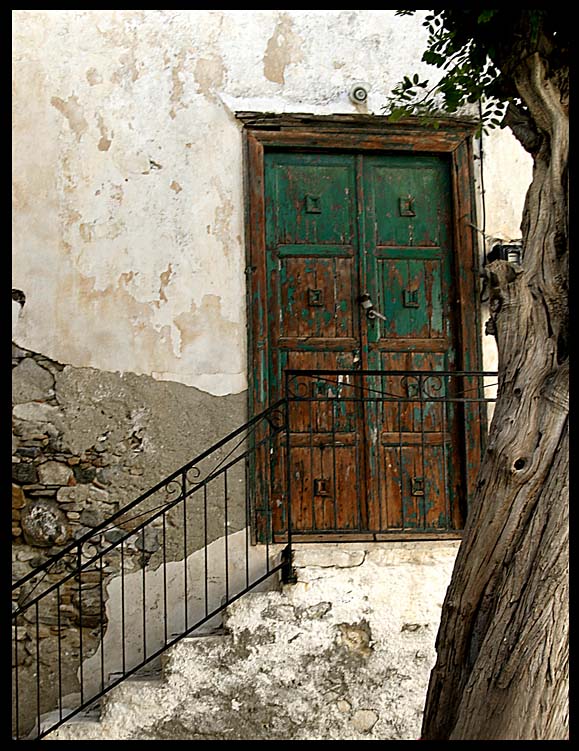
(321, 486)
(406, 206)
(410, 298)
(288, 572)
(315, 298)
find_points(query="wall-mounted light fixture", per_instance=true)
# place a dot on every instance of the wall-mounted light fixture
(359, 92)
(512, 252)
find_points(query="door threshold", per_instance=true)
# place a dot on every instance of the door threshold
(426, 536)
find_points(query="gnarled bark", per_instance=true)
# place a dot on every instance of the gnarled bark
(502, 666)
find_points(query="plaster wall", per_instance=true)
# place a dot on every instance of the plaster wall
(128, 190)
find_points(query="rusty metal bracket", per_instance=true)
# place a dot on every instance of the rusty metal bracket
(417, 485)
(321, 486)
(406, 206)
(410, 298)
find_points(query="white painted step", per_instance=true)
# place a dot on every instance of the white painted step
(345, 653)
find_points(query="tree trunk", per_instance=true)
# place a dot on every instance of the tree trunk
(502, 646)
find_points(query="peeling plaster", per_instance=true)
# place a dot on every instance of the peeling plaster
(165, 277)
(128, 70)
(222, 218)
(105, 142)
(73, 112)
(207, 324)
(93, 76)
(283, 48)
(163, 87)
(209, 73)
(178, 88)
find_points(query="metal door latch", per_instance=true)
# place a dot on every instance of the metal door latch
(321, 486)
(368, 306)
(410, 298)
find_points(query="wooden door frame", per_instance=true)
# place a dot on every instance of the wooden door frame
(369, 133)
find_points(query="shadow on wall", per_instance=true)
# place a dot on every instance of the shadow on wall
(147, 609)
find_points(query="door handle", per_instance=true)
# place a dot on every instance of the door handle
(367, 305)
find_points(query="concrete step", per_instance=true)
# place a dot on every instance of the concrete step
(343, 654)
(89, 720)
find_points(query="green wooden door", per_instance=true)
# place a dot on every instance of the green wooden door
(339, 226)
(406, 269)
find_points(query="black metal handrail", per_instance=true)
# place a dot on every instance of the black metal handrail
(374, 454)
(85, 617)
(193, 511)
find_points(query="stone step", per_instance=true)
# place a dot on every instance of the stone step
(93, 721)
(343, 654)
(82, 721)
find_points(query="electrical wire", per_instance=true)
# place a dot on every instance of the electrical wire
(483, 299)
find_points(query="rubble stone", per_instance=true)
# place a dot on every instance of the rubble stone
(31, 382)
(54, 473)
(44, 524)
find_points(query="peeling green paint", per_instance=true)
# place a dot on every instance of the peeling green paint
(336, 226)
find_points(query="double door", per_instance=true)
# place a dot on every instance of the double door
(359, 278)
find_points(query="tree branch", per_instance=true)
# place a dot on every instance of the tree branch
(523, 128)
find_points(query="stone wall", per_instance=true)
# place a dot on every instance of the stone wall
(84, 444)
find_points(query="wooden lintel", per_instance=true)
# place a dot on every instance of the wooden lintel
(347, 121)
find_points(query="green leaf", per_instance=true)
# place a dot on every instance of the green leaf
(486, 16)
(397, 114)
(431, 57)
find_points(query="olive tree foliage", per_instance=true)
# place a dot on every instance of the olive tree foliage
(502, 646)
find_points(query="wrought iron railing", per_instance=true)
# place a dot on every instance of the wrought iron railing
(164, 566)
(375, 453)
(360, 454)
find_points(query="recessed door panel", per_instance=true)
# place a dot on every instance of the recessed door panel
(313, 199)
(410, 201)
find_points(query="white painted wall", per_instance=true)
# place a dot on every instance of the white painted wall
(128, 196)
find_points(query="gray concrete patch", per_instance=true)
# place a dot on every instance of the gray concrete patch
(31, 382)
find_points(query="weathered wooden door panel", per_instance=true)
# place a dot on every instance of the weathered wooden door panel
(338, 226)
(407, 210)
(315, 297)
(312, 263)
(411, 297)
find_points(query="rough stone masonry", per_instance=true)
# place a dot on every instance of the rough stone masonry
(84, 444)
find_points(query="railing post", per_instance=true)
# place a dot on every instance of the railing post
(80, 666)
(288, 573)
